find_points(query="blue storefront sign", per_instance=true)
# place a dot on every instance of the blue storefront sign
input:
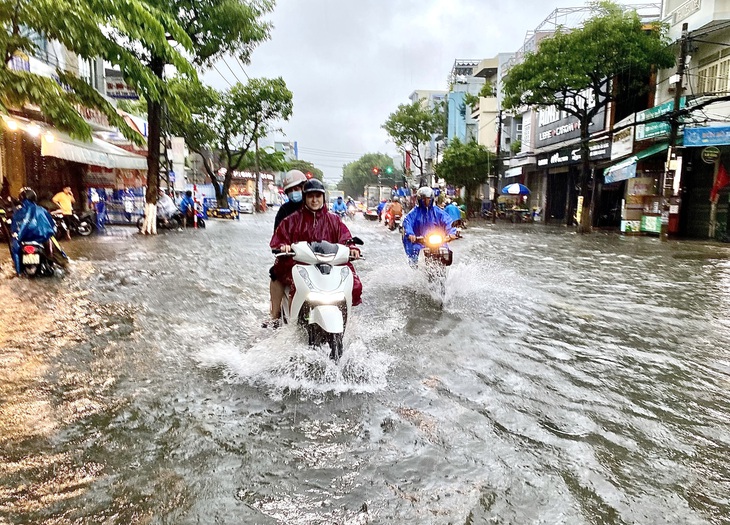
(707, 136)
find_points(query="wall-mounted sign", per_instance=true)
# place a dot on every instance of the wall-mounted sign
(598, 149)
(554, 126)
(658, 128)
(116, 87)
(707, 136)
(710, 154)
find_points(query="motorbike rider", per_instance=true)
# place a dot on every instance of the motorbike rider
(293, 182)
(452, 209)
(33, 223)
(424, 218)
(311, 223)
(187, 208)
(394, 209)
(339, 207)
(381, 206)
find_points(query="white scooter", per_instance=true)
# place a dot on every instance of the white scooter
(323, 292)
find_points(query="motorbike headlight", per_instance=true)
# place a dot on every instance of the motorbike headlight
(326, 298)
(435, 239)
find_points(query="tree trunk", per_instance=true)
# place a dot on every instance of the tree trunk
(257, 198)
(586, 220)
(154, 115)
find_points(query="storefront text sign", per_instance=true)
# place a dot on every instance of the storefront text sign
(707, 136)
(658, 128)
(599, 149)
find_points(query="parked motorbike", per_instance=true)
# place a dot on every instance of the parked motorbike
(322, 297)
(4, 225)
(77, 225)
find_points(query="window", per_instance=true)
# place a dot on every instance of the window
(714, 77)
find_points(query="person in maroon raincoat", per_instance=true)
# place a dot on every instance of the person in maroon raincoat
(312, 223)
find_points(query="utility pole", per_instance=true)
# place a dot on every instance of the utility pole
(497, 165)
(673, 160)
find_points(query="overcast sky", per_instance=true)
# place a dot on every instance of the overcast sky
(351, 63)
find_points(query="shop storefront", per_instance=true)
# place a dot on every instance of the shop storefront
(640, 175)
(561, 171)
(706, 154)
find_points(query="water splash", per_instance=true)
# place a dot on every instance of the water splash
(283, 363)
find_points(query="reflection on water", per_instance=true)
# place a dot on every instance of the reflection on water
(560, 379)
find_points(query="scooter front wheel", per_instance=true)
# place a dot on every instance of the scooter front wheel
(336, 346)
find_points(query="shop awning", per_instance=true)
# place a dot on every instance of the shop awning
(626, 169)
(95, 153)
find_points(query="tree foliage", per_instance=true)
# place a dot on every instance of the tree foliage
(413, 125)
(215, 28)
(305, 167)
(466, 166)
(229, 123)
(107, 29)
(356, 175)
(573, 71)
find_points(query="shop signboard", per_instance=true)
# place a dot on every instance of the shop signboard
(554, 125)
(622, 142)
(707, 136)
(710, 154)
(598, 150)
(641, 186)
(658, 128)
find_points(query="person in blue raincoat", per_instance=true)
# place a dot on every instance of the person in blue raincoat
(453, 211)
(424, 218)
(339, 208)
(33, 223)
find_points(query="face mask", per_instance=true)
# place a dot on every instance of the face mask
(296, 196)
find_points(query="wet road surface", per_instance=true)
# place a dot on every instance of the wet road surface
(563, 379)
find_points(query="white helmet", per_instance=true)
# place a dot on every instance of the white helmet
(425, 193)
(293, 178)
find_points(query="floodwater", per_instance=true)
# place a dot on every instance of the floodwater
(562, 379)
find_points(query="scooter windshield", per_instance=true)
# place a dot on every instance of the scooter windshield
(323, 248)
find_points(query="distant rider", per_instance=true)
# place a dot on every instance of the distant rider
(424, 219)
(381, 206)
(453, 210)
(312, 223)
(187, 208)
(33, 223)
(339, 208)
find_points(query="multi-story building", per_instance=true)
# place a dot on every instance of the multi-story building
(704, 132)
(462, 80)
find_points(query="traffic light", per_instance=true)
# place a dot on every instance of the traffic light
(376, 171)
(308, 174)
(389, 170)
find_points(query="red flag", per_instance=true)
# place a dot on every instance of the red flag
(722, 180)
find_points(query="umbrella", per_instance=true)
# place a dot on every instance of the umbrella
(515, 189)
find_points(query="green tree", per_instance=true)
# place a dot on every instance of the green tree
(216, 28)
(413, 125)
(306, 167)
(573, 71)
(356, 175)
(466, 166)
(90, 29)
(229, 124)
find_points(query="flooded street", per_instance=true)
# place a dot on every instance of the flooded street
(564, 379)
